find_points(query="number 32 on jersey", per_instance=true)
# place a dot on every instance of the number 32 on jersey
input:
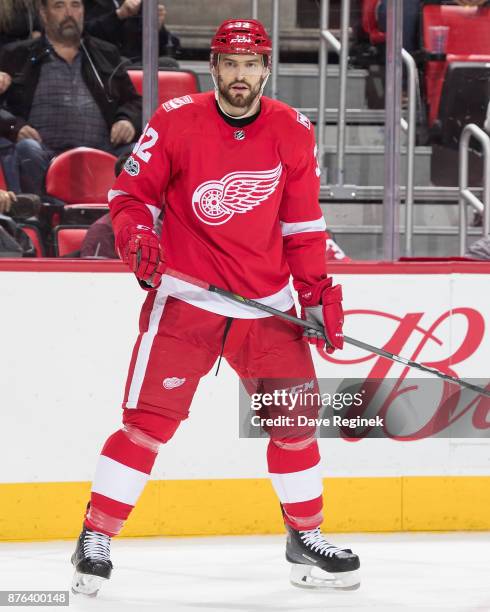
(145, 143)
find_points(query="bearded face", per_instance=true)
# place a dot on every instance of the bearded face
(63, 20)
(240, 79)
(240, 94)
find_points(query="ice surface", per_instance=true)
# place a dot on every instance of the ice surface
(434, 571)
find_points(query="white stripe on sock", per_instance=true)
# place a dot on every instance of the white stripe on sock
(118, 481)
(298, 486)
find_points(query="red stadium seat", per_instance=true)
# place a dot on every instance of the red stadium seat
(81, 176)
(171, 83)
(370, 23)
(3, 184)
(35, 235)
(68, 239)
(468, 40)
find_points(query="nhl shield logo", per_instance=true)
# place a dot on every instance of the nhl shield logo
(239, 135)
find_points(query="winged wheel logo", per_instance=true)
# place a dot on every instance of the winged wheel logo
(215, 202)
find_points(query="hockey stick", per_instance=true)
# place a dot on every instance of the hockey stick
(307, 325)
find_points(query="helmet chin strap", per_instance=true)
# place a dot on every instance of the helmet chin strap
(255, 103)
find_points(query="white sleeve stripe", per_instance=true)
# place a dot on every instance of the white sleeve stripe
(155, 211)
(318, 225)
(113, 193)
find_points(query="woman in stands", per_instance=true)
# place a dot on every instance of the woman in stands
(18, 20)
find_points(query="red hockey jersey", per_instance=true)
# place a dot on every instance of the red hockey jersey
(241, 204)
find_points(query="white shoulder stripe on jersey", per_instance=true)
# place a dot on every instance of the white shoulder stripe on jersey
(114, 193)
(317, 225)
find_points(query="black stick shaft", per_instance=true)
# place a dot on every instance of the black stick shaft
(348, 340)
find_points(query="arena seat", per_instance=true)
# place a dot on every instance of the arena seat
(3, 183)
(468, 41)
(68, 239)
(370, 23)
(35, 235)
(456, 104)
(171, 83)
(81, 176)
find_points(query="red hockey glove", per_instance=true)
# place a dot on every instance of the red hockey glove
(322, 304)
(139, 247)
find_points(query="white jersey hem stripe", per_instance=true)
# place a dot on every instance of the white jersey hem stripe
(201, 298)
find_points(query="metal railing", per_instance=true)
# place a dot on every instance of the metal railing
(275, 49)
(327, 39)
(410, 128)
(150, 60)
(465, 195)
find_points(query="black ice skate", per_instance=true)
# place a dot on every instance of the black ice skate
(92, 562)
(318, 564)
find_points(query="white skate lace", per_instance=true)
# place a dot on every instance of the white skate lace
(316, 541)
(97, 546)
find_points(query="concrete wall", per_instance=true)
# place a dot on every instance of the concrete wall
(212, 12)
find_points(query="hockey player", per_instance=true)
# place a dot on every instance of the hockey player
(240, 181)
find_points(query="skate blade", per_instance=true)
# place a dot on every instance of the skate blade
(86, 584)
(311, 577)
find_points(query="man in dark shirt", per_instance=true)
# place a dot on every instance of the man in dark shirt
(121, 23)
(67, 91)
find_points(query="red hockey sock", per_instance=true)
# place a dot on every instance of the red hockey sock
(122, 472)
(294, 468)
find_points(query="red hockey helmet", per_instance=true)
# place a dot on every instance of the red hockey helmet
(247, 37)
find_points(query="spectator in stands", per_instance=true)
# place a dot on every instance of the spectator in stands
(411, 19)
(334, 252)
(21, 206)
(18, 20)
(66, 92)
(411, 22)
(14, 242)
(5, 82)
(8, 157)
(99, 239)
(121, 22)
(6, 200)
(486, 125)
(472, 2)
